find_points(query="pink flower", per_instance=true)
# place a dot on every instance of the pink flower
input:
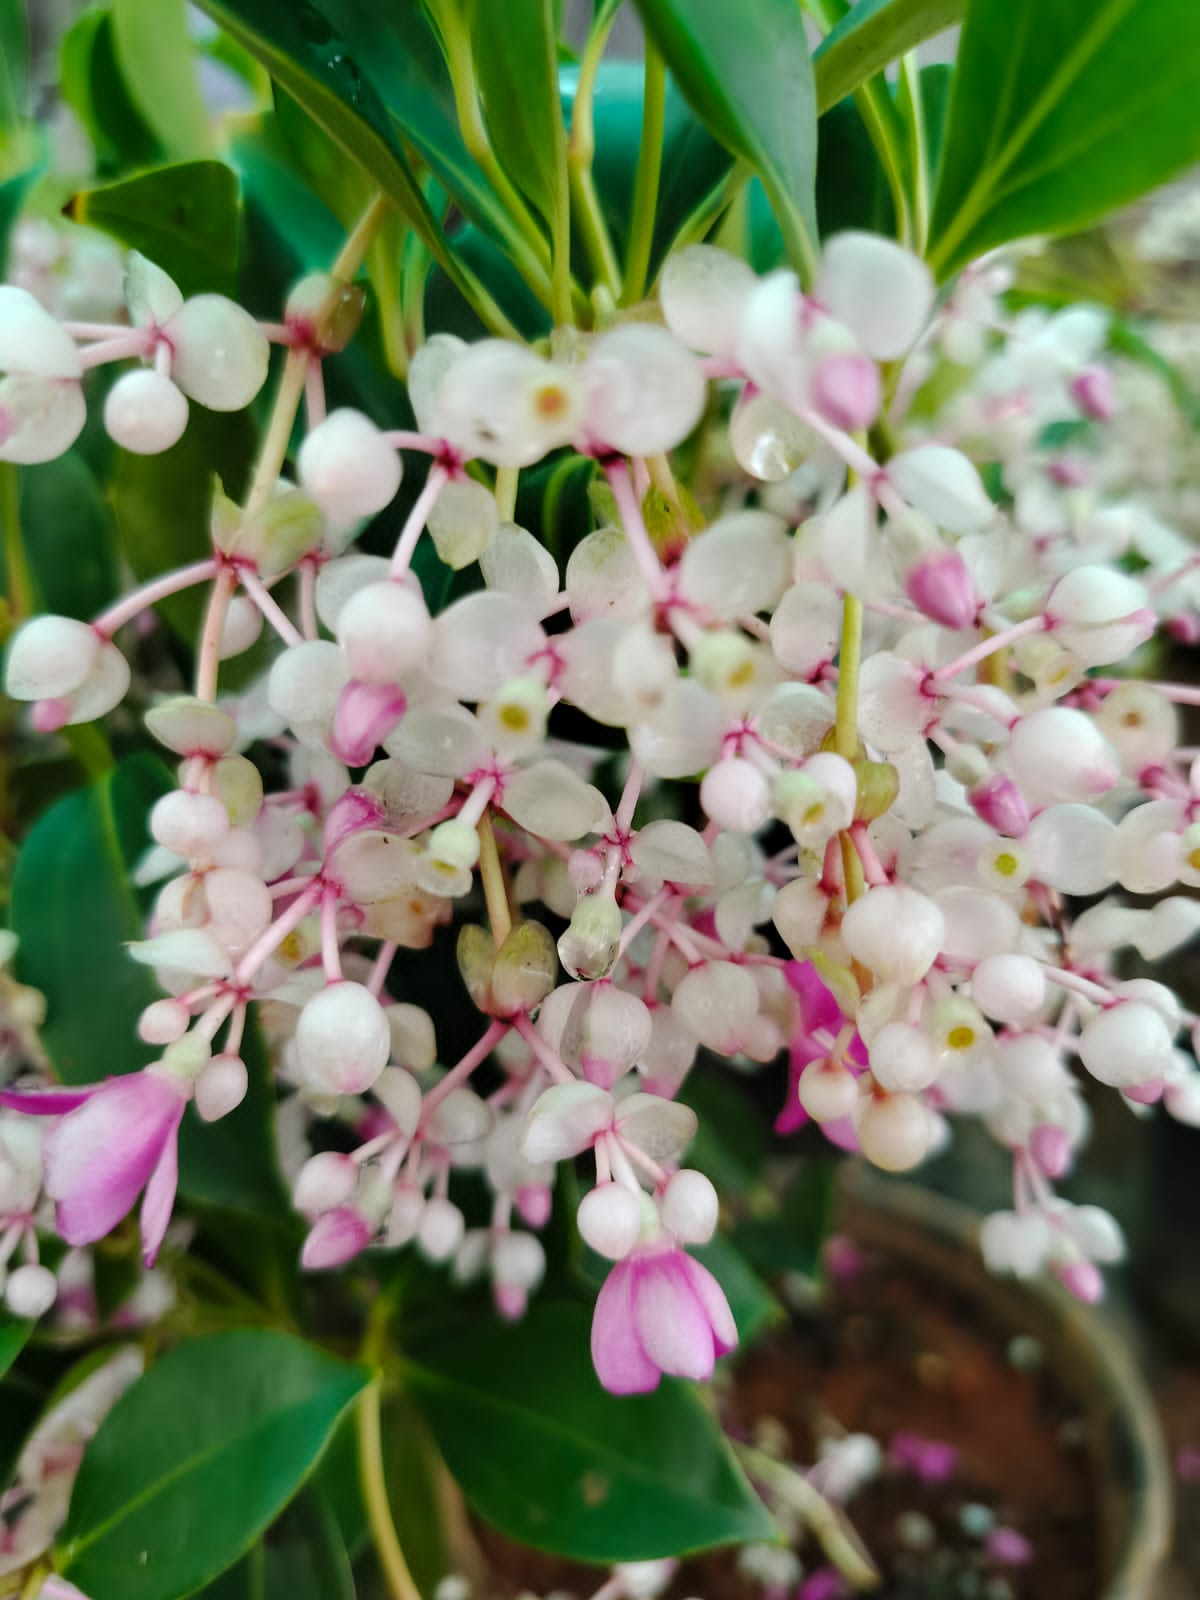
(659, 1311)
(819, 1012)
(116, 1139)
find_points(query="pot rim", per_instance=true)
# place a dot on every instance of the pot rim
(1089, 1356)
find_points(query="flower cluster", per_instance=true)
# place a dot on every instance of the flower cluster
(875, 702)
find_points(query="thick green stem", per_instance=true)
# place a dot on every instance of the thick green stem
(649, 170)
(845, 728)
(368, 1428)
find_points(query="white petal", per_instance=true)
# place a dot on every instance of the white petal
(670, 852)
(943, 484)
(882, 292)
(551, 801)
(566, 1120)
(740, 565)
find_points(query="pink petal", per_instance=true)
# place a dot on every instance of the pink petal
(671, 1323)
(159, 1199)
(622, 1366)
(818, 1008)
(102, 1154)
(334, 1239)
(712, 1297)
(46, 1102)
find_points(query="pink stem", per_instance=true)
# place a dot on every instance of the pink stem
(308, 599)
(331, 954)
(150, 594)
(400, 439)
(274, 936)
(549, 1058)
(417, 518)
(987, 647)
(120, 348)
(209, 658)
(314, 394)
(270, 608)
(635, 528)
(462, 1070)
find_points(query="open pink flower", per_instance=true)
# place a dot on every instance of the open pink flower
(659, 1311)
(116, 1139)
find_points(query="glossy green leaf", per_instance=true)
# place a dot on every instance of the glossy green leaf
(184, 217)
(157, 61)
(14, 67)
(751, 83)
(14, 1333)
(852, 190)
(73, 910)
(197, 1459)
(94, 86)
(69, 537)
(553, 1461)
(871, 34)
(1061, 110)
(162, 502)
(517, 63)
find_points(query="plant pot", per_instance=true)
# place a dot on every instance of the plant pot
(1085, 1354)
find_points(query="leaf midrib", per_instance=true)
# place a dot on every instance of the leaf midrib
(86, 1541)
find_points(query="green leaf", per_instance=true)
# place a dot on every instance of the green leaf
(232, 1165)
(753, 1305)
(196, 1460)
(411, 1465)
(752, 85)
(14, 67)
(1061, 110)
(730, 1145)
(73, 910)
(852, 189)
(94, 86)
(184, 217)
(69, 537)
(517, 64)
(162, 503)
(792, 1239)
(157, 61)
(874, 32)
(14, 1333)
(553, 1461)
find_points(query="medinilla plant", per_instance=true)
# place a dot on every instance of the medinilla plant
(562, 609)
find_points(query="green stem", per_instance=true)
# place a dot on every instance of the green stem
(90, 747)
(845, 727)
(910, 76)
(649, 170)
(581, 152)
(369, 1437)
(827, 1522)
(22, 601)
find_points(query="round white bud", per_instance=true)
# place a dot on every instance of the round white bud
(348, 467)
(324, 1182)
(145, 413)
(440, 1229)
(163, 1021)
(895, 1131)
(343, 1039)
(220, 354)
(30, 1291)
(50, 657)
(895, 931)
(221, 1087)
(1008, 988)
(610, 1220)
(189, 825)
(902, 1057)
(690, 1206)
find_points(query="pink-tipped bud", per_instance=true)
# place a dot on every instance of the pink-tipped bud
(1094, 394)
(845, 390)
(510, 1301)
(163, 1021)
(1051, 1149)
(325, 1182)
(1082, 1279)
(51, 715)
(1145, 1094)
(334, 1239)
(366, 713)
(221, 1087)
(940, 586)
(1000, 804)
(356, 809)
(533, 1202)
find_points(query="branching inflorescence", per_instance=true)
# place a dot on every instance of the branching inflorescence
(896, 689)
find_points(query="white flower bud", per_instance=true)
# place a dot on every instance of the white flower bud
(190, 825)
(145, 413)
(324, 1182)
(1058, 753)
(896, 1131)
(163, 1021)
(399, 1093)
(221, 1087)
(30, 1291)
(902, 1057)
(1126, 1044)
(518, 1261)
(943, 484)
(219, 353)
(343, 1039)
(610, 1220)
(1016, 1244)
(384, 629)
(408, 1207)
(690, 1206)
(798, 912)
(895, 931)
(242, 627)
(461, 1118)
(440, 1229)
(1029, 1067)
(736, 795)
(828, 1091)
(1009, 988)
(50, 657)
(1096, 1232)
(348, 467)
